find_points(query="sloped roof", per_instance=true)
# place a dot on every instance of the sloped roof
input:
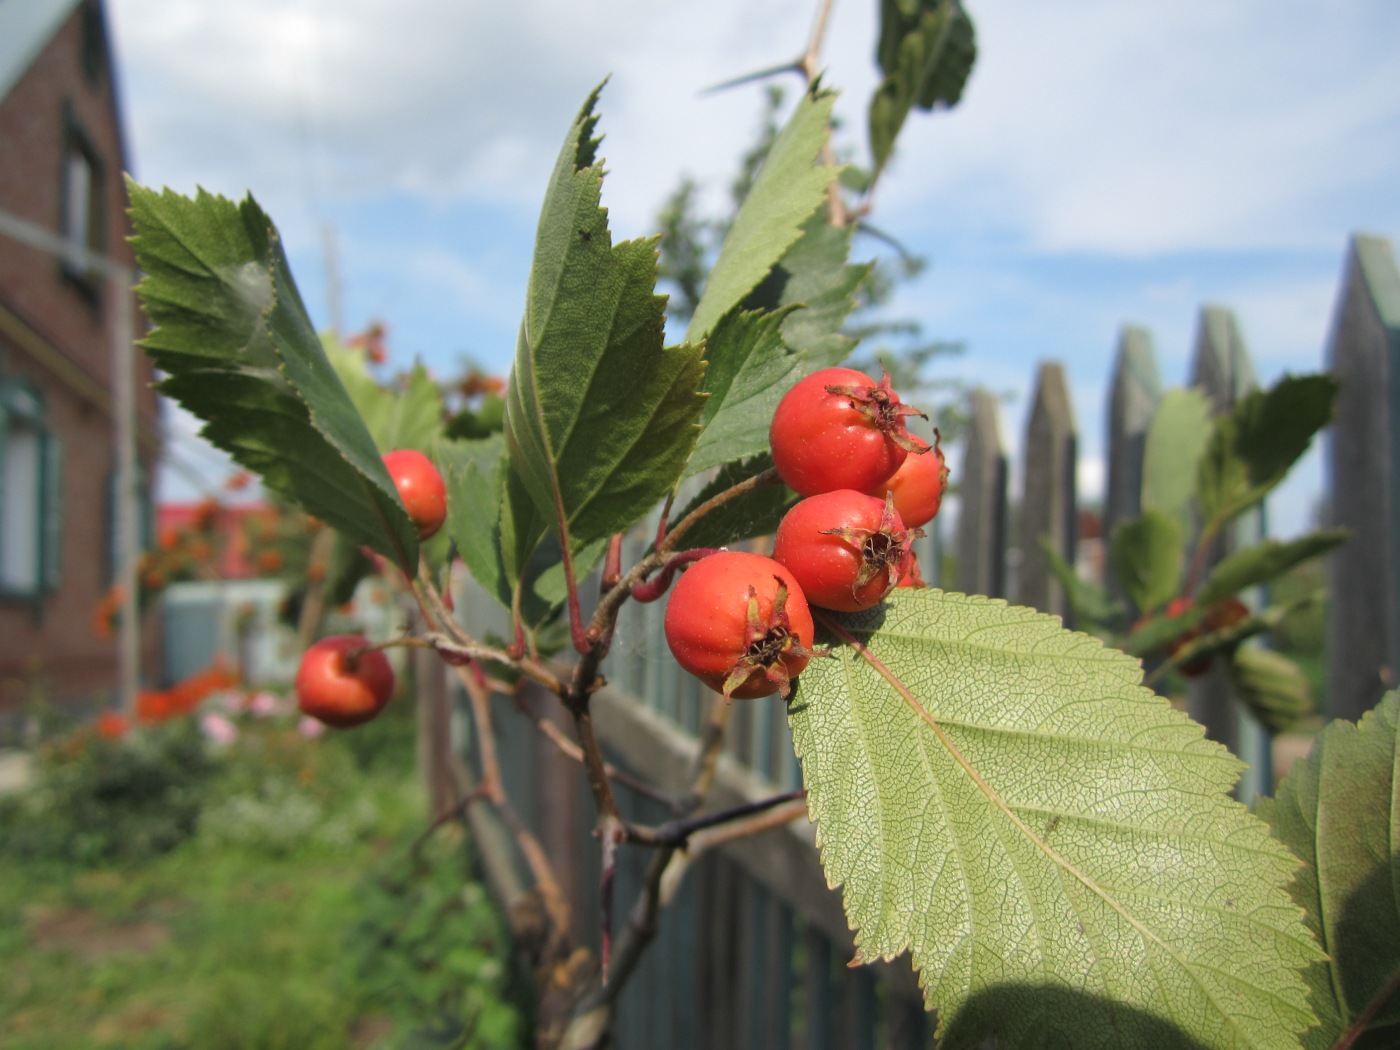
(26, 26)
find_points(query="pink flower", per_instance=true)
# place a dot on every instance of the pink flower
(261, 705)
(218, 728)
(310, 727)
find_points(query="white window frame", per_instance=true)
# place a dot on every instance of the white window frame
(22, 409)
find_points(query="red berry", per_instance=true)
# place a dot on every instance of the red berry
(838, 429)
(918, 485)
(420, 488)
(740, 623)
(343, 682)
(846, 549)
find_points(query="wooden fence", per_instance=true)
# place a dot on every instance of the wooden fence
(752, 952)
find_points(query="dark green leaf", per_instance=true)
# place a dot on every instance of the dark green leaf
(1145, 555)
(755, 513)
(1252, 448)
(1004, 799)
(1264, 562)
(241, 354)
(1339, 811)
(600, 419)
(789, 188)
(926, 51)
(1272, 686)
(748, 371)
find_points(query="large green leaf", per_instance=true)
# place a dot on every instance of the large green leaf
(1175, 440)
(1252, 448)
(1339, 811)
(789, 188)
(1264, 562)
(240, 353)
(926, 51)
(600, 419)
(1054, 843)
(748, 371)
(1145, 555)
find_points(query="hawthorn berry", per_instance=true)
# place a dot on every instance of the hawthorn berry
(918, 485)
(343, 682)
(838, 429)
(846, 549)
(420, 487)
(740, 623)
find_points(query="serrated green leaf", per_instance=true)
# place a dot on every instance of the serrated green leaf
(926, 51)
(1175, 440)
(1145, 555)
(1003, 798)
(1251, 449)
(749, 369)
(1272, 686)
(241, 354)
(1339, 811)
(1264, 562)
(754, 513)
(600, 419)
(789, 188)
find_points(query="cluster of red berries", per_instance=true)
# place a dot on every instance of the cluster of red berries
(343, 680)
(742, 623)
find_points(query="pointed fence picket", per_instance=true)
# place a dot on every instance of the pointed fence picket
(752, 952)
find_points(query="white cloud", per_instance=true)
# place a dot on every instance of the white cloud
(1142, 128)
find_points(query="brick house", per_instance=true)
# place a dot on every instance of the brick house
(62, 156)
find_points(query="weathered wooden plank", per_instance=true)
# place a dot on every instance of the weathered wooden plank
(1363, 351)
(1048, 502)
(981, 567)
(1133, 395)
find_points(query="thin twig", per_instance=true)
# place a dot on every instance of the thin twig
(767, 477)
(679, 832)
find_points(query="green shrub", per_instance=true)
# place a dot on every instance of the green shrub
(431, 952)
(97, 799)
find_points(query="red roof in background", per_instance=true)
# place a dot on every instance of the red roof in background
(227, 522)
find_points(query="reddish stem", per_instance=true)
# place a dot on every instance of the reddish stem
(655, 587)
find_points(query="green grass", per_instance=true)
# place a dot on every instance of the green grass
(245, 936)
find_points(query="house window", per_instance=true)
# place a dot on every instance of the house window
(82, 221)
(92, 42)
(31, 463)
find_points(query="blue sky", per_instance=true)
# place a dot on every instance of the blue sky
(1111, 162)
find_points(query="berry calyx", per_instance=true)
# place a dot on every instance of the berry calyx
(421, 489)
(847, 550)
(344, 682)
(740, 623)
